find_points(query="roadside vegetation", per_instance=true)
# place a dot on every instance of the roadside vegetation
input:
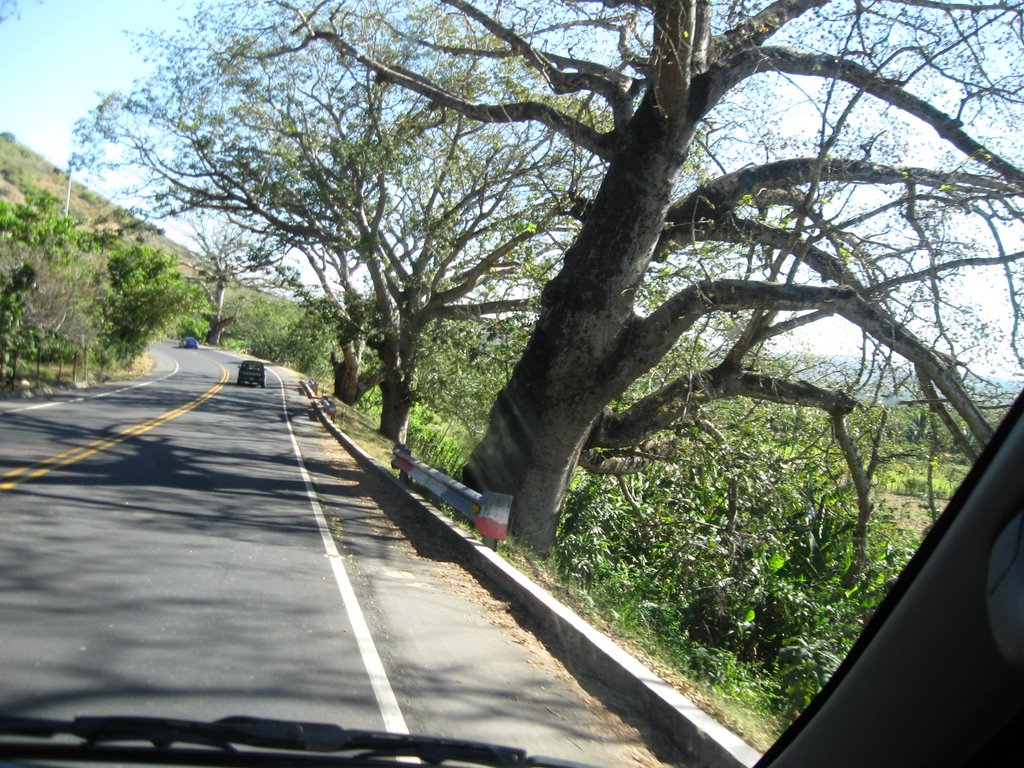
(722, 571)
(576, 253)
(84, 293)
(75, 300)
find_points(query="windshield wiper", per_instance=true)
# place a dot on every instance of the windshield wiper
(103, 738)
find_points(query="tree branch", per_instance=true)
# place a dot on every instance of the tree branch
(574, 130)
(756, 29)
(714, 200)
(682, 398)
(611, 85)
(481, 309)
(471, 277)
(646, 340)
(796, 62)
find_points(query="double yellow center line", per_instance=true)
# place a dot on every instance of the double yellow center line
(19, 475)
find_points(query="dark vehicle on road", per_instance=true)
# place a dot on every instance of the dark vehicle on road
(252, 372)
(190, 342)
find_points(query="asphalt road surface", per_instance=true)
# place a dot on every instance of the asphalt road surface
(181, 546)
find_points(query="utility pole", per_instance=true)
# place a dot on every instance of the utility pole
(67, 198)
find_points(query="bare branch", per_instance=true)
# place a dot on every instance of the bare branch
(796, 62)
(586, 76)
(935, 270)
(479, 310)
(574, 130)
(714, 200)
(972, 7)
(680, 400)
(761, 26)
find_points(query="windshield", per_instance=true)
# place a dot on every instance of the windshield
(579, 378)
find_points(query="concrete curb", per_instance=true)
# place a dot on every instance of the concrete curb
(705, 742)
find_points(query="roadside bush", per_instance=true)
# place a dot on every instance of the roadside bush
(732, 558)
(432, 442)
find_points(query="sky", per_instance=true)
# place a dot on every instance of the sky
(58, 56)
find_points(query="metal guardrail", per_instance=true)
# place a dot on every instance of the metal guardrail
(489, 511)
(676, 716)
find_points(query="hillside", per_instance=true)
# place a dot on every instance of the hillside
(24, 172)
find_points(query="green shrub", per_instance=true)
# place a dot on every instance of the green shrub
(732, 559)
(433, 443)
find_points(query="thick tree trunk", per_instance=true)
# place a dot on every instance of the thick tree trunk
(397, 353)
(218, 322)
(347, 381)
(530, 450)
(396, 402)
(570, 369)
(217, 326)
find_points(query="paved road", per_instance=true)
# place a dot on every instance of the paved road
(161, 553)
(174, 570)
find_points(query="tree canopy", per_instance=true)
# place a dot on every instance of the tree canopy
(765, 166)
(406, 218)
(738, 172)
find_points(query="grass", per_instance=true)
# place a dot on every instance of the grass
(909, 477)
(23, 171)
(753, 726)
(909, 511)
(30, 377)
(359, 427)
(903, 490)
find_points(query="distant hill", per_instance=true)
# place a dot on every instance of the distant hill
(24, 172)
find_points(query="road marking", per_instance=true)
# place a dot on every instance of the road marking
(394, 721)
(19, 475)
(108, 393)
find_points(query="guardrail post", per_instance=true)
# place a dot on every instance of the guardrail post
(402, 474)
(494, 516)
(329, 406)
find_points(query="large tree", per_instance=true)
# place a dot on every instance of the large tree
(405, 217)
(226, 256)
(145, 294)
(767, 165)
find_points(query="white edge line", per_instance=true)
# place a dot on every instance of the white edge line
(107, 393)
(394, 722)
